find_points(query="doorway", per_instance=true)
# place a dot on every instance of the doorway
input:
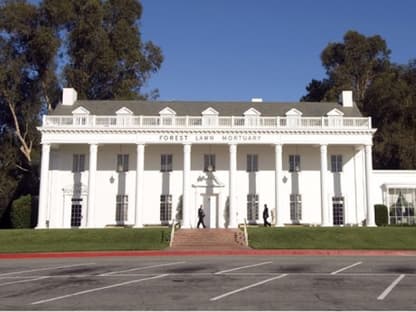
(210, 205)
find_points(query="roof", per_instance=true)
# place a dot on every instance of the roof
(195, 108)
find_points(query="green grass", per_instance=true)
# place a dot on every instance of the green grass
(83, 240)
(395, 238)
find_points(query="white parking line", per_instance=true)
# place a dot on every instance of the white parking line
(46, 269)
(98, 289)
(141, 268)
(390, 288)
(243, 267)
(23, 281)
(346, 268)
(247, 287)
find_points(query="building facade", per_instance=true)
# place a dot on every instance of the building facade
(138, 163)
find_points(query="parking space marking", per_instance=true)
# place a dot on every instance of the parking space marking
(390, 288)
(23, 281)
(247, 287)
(243, 267)
(46, 269)
(346, 268)
(98, 289)
(141, 268)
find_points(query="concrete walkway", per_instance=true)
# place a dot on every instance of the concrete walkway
(245, 252)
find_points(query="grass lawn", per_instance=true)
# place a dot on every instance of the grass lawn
(83, 239)
(396, 238)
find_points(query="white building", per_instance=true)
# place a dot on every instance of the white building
(139, 163)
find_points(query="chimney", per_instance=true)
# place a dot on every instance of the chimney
(69, 96)
(256, 100)
(345, 98)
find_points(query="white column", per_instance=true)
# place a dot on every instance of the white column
(91, 185)
(368, 175)
(43, 189)
(324, 192)
(138, 221)
(277, 173)
(232, 199)
(186, 211)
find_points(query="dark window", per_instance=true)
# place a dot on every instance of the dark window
(122, 162)
(78, 163)
(165, 207)
(252, 163)
(294, 163)
(252, 207)
(121, 208)
(209, 162)
(336, 163)
(338, 210)
(166, 162)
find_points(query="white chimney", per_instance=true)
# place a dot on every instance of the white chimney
(69, 96)
(256, 100)
(346, 98)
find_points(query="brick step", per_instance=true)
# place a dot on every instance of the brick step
(199, 239)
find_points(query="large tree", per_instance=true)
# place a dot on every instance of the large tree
(98, 44)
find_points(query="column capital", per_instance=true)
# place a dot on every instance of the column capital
(323, 147)
(233, 147)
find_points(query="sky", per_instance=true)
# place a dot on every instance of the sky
(235, 50)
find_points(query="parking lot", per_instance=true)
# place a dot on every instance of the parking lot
(209, 283)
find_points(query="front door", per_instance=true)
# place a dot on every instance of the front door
(76, 212)
(210, 204)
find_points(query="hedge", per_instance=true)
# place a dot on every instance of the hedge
(21, 212)
(381, 215)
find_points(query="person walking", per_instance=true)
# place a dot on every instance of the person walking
(266, 215)
(201, 215)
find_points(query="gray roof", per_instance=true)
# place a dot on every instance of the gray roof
(195, 108)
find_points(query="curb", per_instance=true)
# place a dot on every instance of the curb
(251, 252)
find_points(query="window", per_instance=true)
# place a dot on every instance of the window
(209, 162)
(401, 203)
(78, 163)
(294, 163)
(166, 162)
(122, 202)
(165, 207)
(338, 210)
(122, 162)
(252, 163)
(336, 163)
(76, 210)
(252, 207)
(295, 207)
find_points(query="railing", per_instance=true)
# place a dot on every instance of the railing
(206, 122)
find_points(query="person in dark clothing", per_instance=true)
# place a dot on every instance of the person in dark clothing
(201, 215)
(266, 215)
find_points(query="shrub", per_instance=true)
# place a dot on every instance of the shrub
(381, 215)
(20, 213)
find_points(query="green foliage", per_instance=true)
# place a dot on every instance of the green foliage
(21, 212)
(381, 215)
(382, 90)
(83, 239)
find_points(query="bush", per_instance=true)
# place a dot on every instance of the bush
(20, 213)
(381, 214)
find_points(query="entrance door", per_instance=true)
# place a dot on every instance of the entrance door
(210, 204)
(76, 212)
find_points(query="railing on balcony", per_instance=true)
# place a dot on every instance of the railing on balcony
(205, 122)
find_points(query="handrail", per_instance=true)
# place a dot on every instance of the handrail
(245, 232)
(223, 122)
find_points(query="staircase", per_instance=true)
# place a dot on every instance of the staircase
(208, 239)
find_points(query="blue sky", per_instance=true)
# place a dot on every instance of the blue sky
(240, 49)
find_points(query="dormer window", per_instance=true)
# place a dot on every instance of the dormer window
(335, 118)
(293, 117)
(251, 117)
(124, 116)
(80, 116)
(210, 117)
(167, 116)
